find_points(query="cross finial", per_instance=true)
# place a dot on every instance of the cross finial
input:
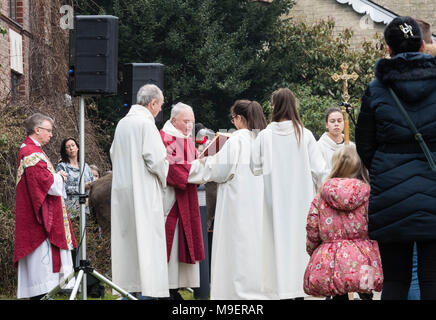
(345, 77)
(345, 96)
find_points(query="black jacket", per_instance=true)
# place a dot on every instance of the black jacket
(402, 204)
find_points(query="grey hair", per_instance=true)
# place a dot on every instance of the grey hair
(147, 93)
(36, 120)
(175, 110)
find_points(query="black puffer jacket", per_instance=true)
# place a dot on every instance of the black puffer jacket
(402, 204)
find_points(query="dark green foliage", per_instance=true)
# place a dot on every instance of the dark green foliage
(304, 57)
(215, 52)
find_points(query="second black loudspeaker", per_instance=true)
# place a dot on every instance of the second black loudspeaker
(138, 74)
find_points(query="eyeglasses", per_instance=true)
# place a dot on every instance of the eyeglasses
(48, 130)
(232, 118)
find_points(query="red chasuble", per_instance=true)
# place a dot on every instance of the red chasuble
(180, 153)
(38, 215)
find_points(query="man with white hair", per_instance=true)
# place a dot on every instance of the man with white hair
(139, 168)
(183, 222)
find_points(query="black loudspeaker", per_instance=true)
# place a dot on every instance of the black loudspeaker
(94, 56)
(138, 74)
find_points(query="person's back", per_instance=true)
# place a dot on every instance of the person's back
(128, 130)
(238, 226)
(284, 151)
(287, 156)
(139, 261)
(343, 258)
(402, 207)
(399, 170)
(236, 256)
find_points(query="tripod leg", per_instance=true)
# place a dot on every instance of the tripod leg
(76, 285)
(123, 292)
(59, 286)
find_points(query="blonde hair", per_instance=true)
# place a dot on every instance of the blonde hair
(347, 164)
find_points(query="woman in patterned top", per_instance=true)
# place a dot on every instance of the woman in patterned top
(70, 164)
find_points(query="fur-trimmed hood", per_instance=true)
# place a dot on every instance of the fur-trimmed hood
(410, 74)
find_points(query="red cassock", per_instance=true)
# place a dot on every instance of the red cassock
(180, 153)
(38, 215)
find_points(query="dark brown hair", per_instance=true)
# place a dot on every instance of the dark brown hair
(330, 111)
(285, 108)
(64, 156)
(252, 113)
(403, 34)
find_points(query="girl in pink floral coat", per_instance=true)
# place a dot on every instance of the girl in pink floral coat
(342, 257)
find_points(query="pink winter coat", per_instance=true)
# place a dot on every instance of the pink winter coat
(343, 258)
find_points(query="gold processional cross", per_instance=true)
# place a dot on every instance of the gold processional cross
(345, 97)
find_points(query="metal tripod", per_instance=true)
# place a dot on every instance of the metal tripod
(84, 267)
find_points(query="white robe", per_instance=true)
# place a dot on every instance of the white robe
(139, 255)
(327, 147)
(288, 171)
(180, 275)
(236, 255)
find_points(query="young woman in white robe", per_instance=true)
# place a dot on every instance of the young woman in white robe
(236, 255)
(287, 156)
(333, 139)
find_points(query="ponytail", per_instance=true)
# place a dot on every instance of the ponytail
(252, 113)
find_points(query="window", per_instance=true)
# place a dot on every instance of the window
(16, 51)
(15, 83)
(13, 9)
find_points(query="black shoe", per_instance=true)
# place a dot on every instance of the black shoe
(175, 295)
(365, 296)
(96, 291)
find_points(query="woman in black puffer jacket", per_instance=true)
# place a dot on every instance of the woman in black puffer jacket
(402, 206)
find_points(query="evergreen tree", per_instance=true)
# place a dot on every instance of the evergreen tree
(213, 51)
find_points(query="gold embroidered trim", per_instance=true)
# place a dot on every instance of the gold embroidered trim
(30, 161)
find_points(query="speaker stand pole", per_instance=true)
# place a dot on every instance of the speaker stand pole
(82, 192)
(84, 267)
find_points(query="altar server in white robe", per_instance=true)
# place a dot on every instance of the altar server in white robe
(287, 156)
(236, 255)
(139, 256)
(333, 139)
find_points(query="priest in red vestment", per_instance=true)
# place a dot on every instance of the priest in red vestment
(183, 222)
(43, 232)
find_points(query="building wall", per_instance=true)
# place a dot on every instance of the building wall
(420, 9)
(311, 11)
(22, 26)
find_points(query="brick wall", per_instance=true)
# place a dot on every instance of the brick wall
(4, 61)
(422, 9)
(21, 25)
(312, 11)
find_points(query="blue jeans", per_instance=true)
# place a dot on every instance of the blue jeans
(414, 292)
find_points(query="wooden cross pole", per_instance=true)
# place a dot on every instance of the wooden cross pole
(345, 96)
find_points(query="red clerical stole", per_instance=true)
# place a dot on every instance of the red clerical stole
(38, 215)
(180, 153)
